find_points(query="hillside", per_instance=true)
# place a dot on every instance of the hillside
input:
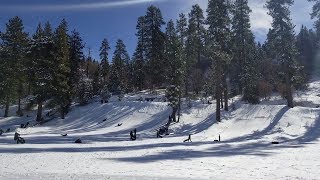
(245, 150)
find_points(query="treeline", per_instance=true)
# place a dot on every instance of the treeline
(216, 55)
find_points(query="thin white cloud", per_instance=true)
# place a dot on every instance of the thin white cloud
(260, 20)
(75, 7)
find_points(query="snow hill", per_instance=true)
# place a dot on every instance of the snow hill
(245, 150)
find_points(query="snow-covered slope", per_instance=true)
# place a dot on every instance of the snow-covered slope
(245, 150)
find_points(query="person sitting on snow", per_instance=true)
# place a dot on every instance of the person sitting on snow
(158, 134)
(132, 136)
(18, 138)
(189, 139)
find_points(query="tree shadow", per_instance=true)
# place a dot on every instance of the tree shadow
(220, 149)
(311, 135)
(266, 131)
(196, 128)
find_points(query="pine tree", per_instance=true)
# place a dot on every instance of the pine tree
(266, 68)
(182, 32)
(173, 56)
(47, 30)
(243, 62)
(182, 28)
(142, 33)
(196, 30)
(90, 82)
(316, 15)
(139, 68)
(41, 58)
(154, 47)
(218, 45)
(84, 88)
(194, 49)
(76, 55)
(105, 94)
(118, 77)
(62, 68)
(283, 41)
(129, 75)
(105, 69)
(96, 79)
(306, 49)
(138, 65)
(2, 73)
(15, 42)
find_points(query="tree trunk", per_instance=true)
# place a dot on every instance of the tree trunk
(218, 113)
(289, 91)
(221, 101)
(29, 88)
(140, 86)
(186, 83)
(226, 104)
(19, 112)
(62, 111)
(225, 93)
(173, 115)
(218, 89)
(39, 113)
(179, 108)
(6, 111)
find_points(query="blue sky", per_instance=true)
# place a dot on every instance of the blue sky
(114, 19)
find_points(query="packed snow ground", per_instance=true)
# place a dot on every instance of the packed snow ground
(245, 150)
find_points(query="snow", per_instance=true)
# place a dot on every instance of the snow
(245, 151)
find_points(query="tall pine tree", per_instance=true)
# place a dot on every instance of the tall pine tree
(243, 63)
(15, 42)
(194, 49)
(62, 88)
(154, 47)
(41, 55)
(306, 49)
(118, 77)
(182, 32)
(138, 65)
(105, 69)
(315, 14)
(139, 68)
(282, 39)
(175, 67)
(76, 55)
(218, 45)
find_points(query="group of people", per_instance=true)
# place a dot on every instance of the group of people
(18, 139)
(164, 130)
(133, 135)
